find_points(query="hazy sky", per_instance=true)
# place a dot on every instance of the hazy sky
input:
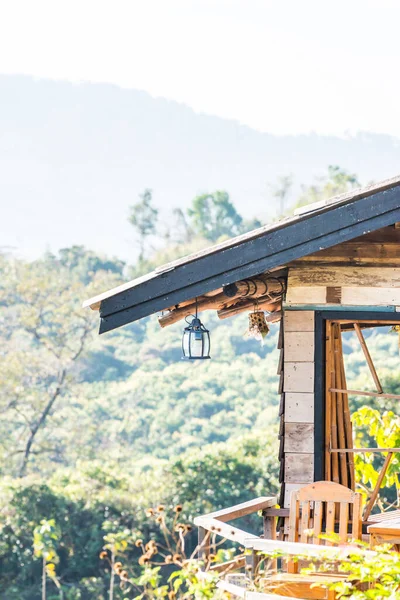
(279, 66)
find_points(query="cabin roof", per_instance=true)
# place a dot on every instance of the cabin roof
(312, 228)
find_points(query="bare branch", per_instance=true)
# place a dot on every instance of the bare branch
(40, 423)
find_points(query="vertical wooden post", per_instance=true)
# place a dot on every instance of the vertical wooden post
(203, 548)
(334, 435)
(340, 411)
(328, 400)
(252, 562)
(347, 421)
(270, 534)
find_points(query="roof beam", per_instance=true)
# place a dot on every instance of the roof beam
(274, 248)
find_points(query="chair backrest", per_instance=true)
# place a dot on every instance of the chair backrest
(318, 506)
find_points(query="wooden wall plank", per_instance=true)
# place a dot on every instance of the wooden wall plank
(299, 346)
(305, 295)
(299, 468)
(371, 296)
(300, 320)
(356, 253)
(350, 296)
(321, 276)
(299, 438)
(280, 363)
(299, 408)
(299, 377)
(289, 488)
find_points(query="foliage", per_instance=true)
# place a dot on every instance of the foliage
(45, 335)
(213, 216)
(94, 500)
(85, 263)
(384, 430)
(337, 181)
(224, 475)
(369, 575)
(132, 381)
(281, 191)
(45, 539)
(157, 560)
(379, 571)
(143, 218)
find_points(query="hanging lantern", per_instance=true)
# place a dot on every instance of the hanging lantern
(258, 327)
(196, 340)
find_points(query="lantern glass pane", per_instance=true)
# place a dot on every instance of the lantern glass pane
(206, 338)
(185, 343)
(196, 344)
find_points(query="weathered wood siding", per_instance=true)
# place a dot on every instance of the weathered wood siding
(363, 272)
(349, 286)
(297, 402)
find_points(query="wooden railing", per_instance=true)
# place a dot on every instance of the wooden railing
(271, 547)
(216, 524)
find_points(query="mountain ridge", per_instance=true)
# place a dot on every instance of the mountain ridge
(74, 156)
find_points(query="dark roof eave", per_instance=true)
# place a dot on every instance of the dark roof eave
(296, 238)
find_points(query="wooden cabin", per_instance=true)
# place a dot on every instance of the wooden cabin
(334, 265)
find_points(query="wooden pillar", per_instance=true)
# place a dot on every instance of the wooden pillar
(298, 387)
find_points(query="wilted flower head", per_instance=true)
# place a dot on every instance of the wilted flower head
(160, 508)
(103, 555)
(178, 508)
(139, 543)
(176, 558)
(151, 545)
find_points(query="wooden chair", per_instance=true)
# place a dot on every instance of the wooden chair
(319, 508)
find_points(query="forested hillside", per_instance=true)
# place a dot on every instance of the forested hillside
(95, 430)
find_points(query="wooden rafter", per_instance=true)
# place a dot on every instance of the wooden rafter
(374, 495)
(368, 358)
(363, 393)
(264, 291)
(364, 450)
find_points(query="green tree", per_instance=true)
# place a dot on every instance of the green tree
(180, 231)
(337, 181)
(213, 216)
(45, 335)
(281, 191)
(143, 217)
(85, 263)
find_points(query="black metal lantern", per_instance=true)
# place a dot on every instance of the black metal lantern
(196, 340)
